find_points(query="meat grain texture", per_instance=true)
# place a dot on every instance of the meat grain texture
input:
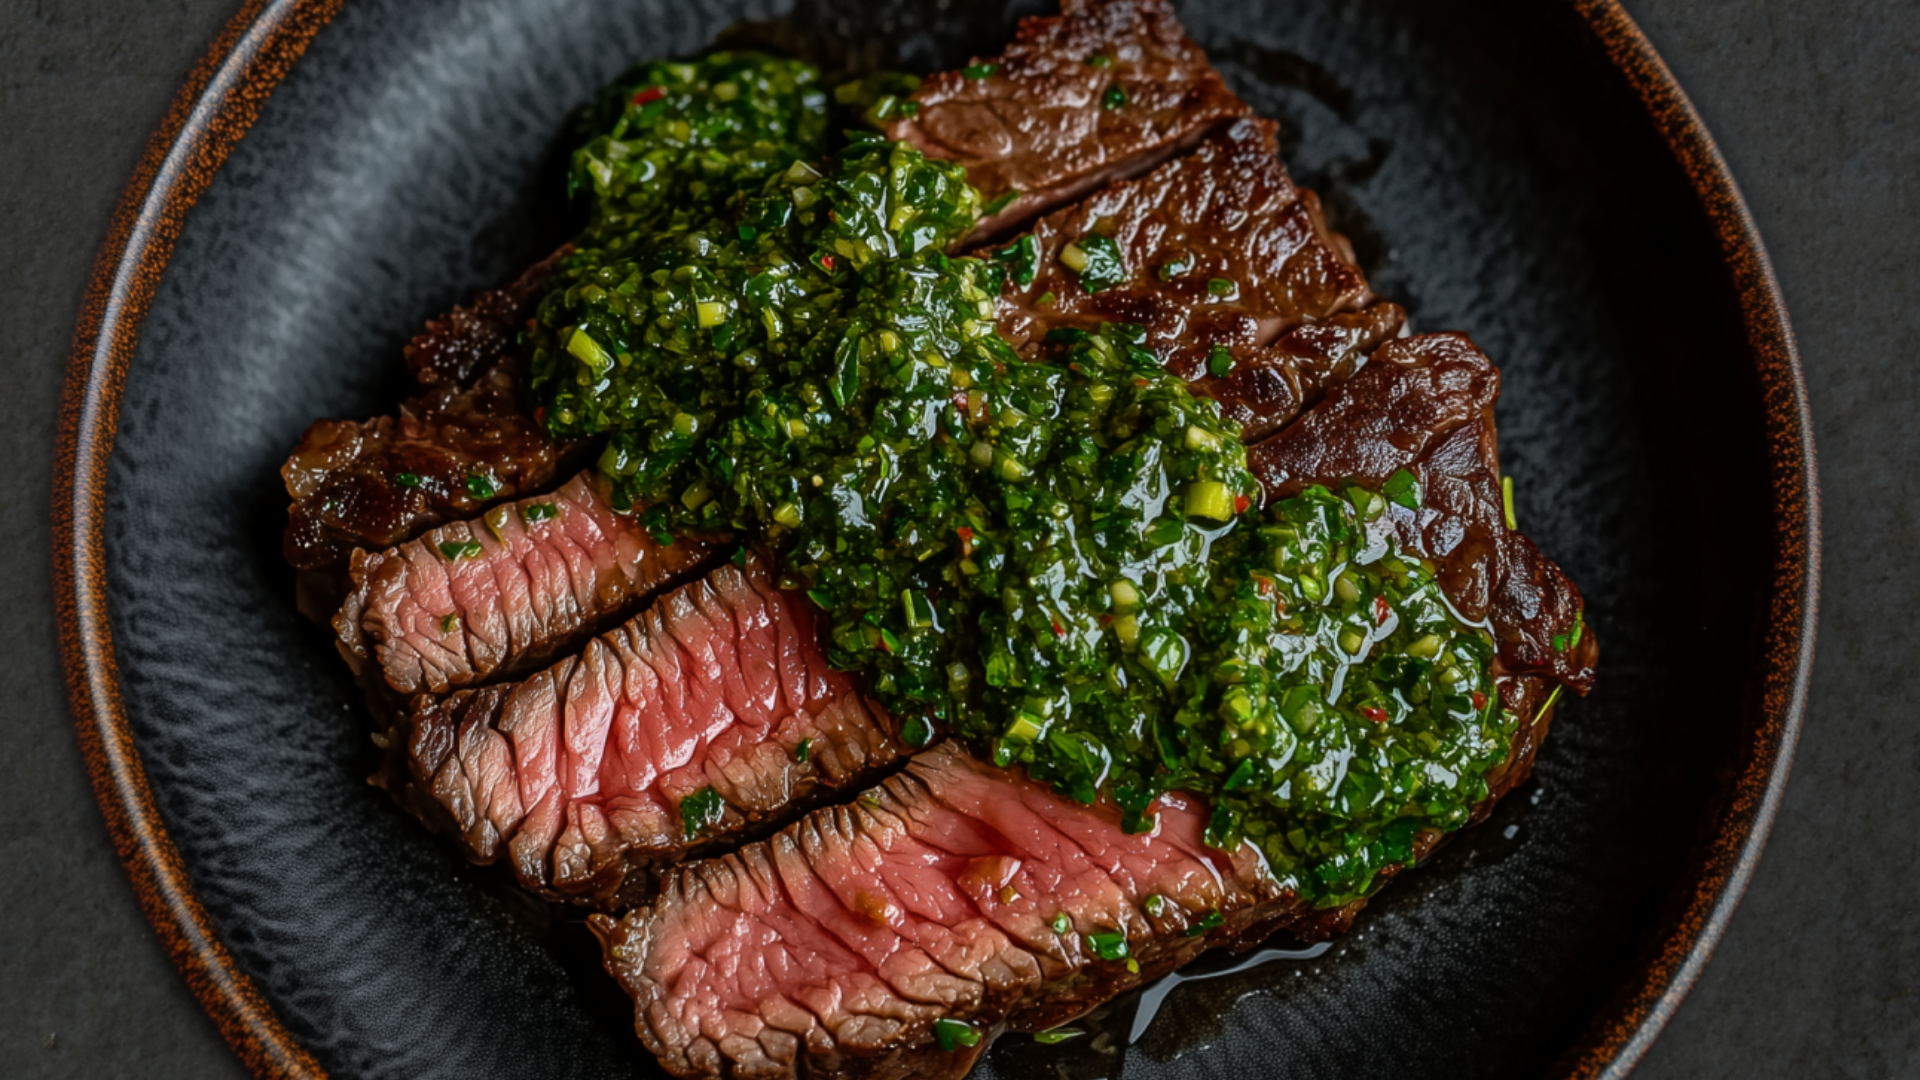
(1105, 90)
(1221, 253)
(579, 774)
(954, 892)
(474, 600)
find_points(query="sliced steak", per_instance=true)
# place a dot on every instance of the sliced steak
(465, 441)
(1108, 88)
(458, 346)
(1425, 405)
(1269, 385)
(470, 601)
(837, 945)
(834, 947)
(718, 693)
(1218, 250)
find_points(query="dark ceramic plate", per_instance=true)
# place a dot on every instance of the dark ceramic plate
(1522, 169)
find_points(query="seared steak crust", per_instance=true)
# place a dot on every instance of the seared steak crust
(376, 483)
(474, 600)
(1220, 250)
(1425, 404)
(579, 773)
(1051, 122)
(1269, 387)
(466, 341)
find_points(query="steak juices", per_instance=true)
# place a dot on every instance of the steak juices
(1169, 580)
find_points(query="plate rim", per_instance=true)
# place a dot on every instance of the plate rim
(219, 101)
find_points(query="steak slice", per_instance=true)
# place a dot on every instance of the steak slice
(469, 601)
(1424, 404)
(843, 944)
(1267, 389)
(718, 693)
(1106, 89)
(465, 441)
(834, 947)
(1218, 250)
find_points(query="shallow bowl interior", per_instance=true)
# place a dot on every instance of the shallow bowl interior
(1496, 178)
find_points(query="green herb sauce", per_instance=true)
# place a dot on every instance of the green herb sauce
(674, 141)
(1060, 561)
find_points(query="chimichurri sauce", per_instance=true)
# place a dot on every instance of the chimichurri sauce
(1063, 562)
(674, 141)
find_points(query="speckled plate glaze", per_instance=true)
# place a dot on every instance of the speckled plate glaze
(1526, 170)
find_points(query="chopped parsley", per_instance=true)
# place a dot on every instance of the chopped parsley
(1403, 488)
(1004, 200)
(701, 811)
(1097, 260)
(955, 1034)
(1219, 362)
(916, 731)
(1108, 945)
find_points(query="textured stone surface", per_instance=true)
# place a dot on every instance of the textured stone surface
(1810, 103)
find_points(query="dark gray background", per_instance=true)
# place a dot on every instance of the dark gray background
(1814, 104)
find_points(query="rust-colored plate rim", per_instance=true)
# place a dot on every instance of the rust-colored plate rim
(219, 102)
(1621, 1035)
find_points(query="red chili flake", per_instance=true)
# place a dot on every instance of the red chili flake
(1378, 716)
(1106, 620)
(1058, 630)
(828, 262)
(1264, 585)
(1479, 701)
(831, 216)
(1240, 504)
(965, 531)
(540, 415)
(966, 541)
(533, 324)
(1381, 610)
(651, 93)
